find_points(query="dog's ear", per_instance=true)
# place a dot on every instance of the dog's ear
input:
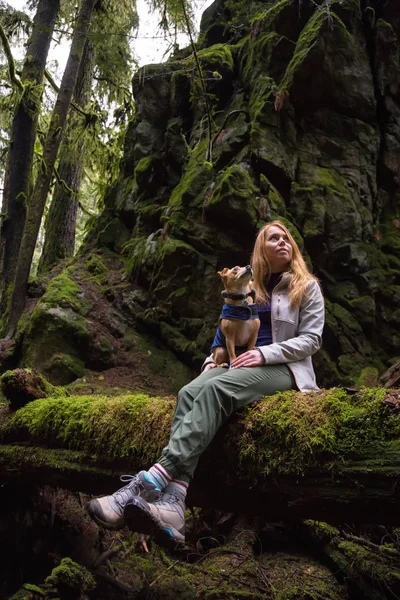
(223, 272)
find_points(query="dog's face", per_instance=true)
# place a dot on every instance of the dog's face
(236, 280)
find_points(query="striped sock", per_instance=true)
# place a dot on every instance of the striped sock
(160, 475)
(177, 488)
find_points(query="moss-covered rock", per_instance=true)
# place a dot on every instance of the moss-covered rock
(21, 386)
(70, 580)
(234, 200)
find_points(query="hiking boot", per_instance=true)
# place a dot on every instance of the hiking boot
(164, 518)
(108, 511)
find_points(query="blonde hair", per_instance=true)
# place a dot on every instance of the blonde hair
(300, 275)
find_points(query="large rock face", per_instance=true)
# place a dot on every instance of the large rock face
(301, 122)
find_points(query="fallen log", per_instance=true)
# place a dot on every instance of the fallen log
(391, 377)
(327, 456)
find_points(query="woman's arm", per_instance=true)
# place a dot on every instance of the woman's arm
(309, 337)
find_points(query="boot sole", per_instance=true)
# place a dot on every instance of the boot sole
(140, 521)
(93, 515)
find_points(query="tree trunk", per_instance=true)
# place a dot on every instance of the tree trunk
(18, 176)
(61, 221)
(53, 140)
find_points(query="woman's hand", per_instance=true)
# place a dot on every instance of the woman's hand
(210, 365)
(251, 358)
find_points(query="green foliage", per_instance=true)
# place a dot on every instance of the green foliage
(172, 13)
(113, 24)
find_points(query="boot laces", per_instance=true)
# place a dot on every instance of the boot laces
(133, 487)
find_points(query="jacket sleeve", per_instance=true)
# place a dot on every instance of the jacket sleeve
(209, 360)
(309, 336)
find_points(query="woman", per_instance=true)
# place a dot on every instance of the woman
(291, 310)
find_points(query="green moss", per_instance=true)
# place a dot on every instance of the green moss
(331, 180)
(28, 592)
(52, 330)
(260, 52)
(307, 40)
(176, 339)
(152, 251)
(384, 24)
(64, 368)
(26, 377)
(323, 530)
(95, 265)
(196, 178)
(68, 461)
(63, 291)
(292, 432)
(112, 428)
(298, 577)
(364, 561)
(275, 200)
(268, 19)
(143, 165)
(346, 318)
(369, 377)
(70, 578)
(105, 345)
(164, 362)
(141, 170)
(216, 61)
(261, 95)
(219, 55)
(235, 192)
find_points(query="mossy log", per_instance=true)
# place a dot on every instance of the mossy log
(328, 455)
(371, 569)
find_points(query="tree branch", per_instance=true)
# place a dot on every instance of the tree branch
(11, 65)
(55, 87)
(202, 82)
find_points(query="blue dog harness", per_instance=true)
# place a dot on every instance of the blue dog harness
(243, 313)
(263, 311)
(229, 311)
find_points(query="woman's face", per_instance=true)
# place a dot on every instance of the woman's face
(278, 248)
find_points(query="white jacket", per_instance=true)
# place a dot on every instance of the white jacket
(296, 332)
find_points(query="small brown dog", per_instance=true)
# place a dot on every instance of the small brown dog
(239, 321)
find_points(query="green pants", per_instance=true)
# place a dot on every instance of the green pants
(206, 403)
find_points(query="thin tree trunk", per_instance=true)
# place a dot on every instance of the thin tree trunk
(53, 140)
(61, 220)
(18, 175)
